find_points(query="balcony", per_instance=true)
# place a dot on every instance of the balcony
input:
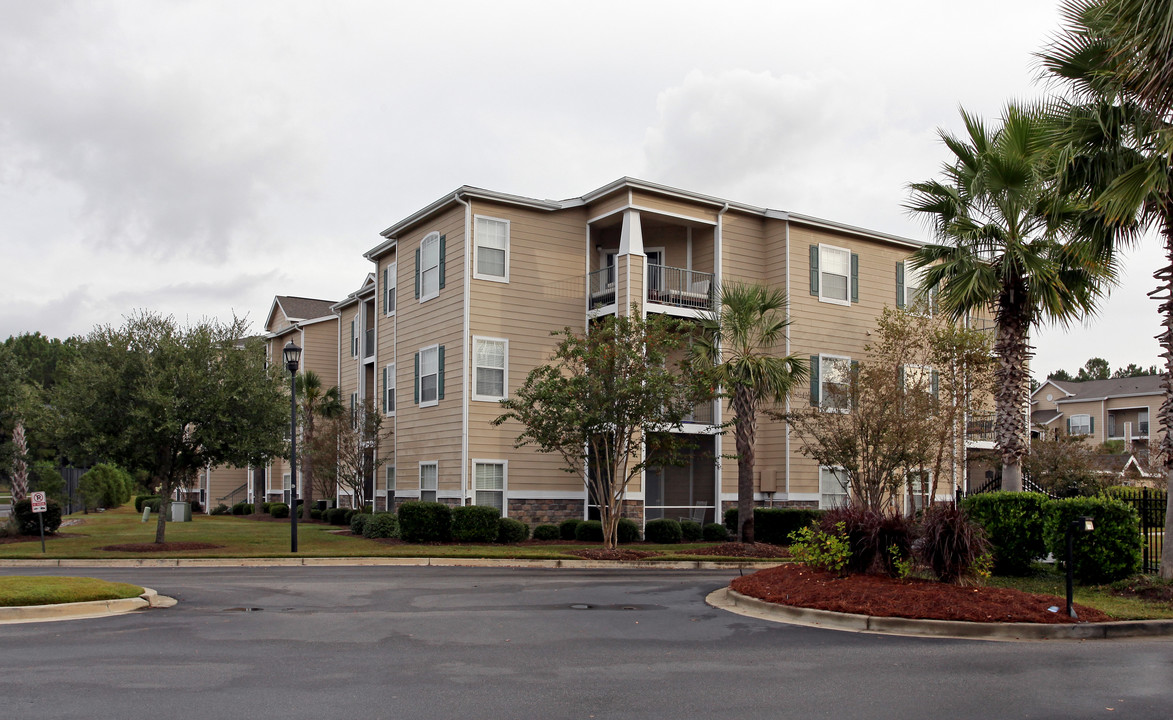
(980, 427)
(601, 287)
(671, 286)
(702, 414)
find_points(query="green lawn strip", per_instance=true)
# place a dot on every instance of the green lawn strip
(18, 590)
(1050, 581)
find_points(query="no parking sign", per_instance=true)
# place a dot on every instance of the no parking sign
(38, 499)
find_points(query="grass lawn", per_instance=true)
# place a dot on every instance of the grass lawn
(23, 590)
(244, 537)
(1050, 581)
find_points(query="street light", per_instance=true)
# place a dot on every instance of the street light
(292, 355)
(1078, 525)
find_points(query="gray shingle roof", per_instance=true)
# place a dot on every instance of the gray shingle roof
(299, 308)
(1093, 389)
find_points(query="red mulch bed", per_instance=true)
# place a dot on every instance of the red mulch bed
(617, 554)
(880, 596)
(160, 547)
(746, 550)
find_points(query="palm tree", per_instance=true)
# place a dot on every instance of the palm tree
(1114, 143)
(1006, 244)
(315, 403)
(735, 350)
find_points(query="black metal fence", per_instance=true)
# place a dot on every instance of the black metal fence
(1150, 506)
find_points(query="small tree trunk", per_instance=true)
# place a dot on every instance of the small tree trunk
(1013, 350)
(164, 509)
(745, 426)
(259, 489)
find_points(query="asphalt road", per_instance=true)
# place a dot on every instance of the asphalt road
(481, 644)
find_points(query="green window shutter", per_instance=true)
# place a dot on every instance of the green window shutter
(440, 372)
(814, 270)
(384, 385)
(1091, 424)
(417, 273)
(443, 264)
(386, 297)
(415, 393)
(936, 378)
(900, 284)
(1068, 426)
(814, 377)
(854, 278)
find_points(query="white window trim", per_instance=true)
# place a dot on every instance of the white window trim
(391, 287)
(420, 479)
(823, 358)
(391, 387)
(846, 490)
(427, 238)
(505, 380)
(477, 246)
(1087, 423)
(389, 480)
(926, 370)
(823, 285)
(429, 403)
(504, 481)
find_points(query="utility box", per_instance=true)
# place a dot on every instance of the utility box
(180, 512)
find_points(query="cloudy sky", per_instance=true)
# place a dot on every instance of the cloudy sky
(198, 158)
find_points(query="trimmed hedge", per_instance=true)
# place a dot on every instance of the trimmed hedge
(714, 532)
(568, 529)
(774, 525)
(475, 524)
(279, 510)
(421, 522)
(220, 509)
(339, 516)
(265, 507)
(510, 531)
(1013, 522)
(589, 531)
(140, 500)
(627, 531)
(26, 519)
(691, 531)
(358, 521)
(381, 525)
(315, 514)
(242, 508)
(1110, 552)
(664, 531)
(547, 532)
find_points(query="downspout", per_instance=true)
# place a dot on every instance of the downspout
(717, 412)
(466, 380)
(786, 430)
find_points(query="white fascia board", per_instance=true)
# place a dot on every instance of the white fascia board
(1109, 397)
(853, 230)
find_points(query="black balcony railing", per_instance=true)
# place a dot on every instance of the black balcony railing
(680, 288)
(980, 427)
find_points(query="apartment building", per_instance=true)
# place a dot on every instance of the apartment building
(1118, 409)
(465, 293)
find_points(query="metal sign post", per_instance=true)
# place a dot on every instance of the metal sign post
(39, 507)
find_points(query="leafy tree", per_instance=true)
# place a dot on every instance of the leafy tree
(1094, 369)
(357, 438)
(1114, 143)
(736, 351)
(601, 399)
(314, 403)
(1132, 370)
(44, 477)
(1061, 375)
(1064, 466)
(105, 485)
(1007, 243)
(171, 400)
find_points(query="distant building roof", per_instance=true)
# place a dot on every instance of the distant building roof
(299, 308)
(1043, 417)
(1114, 387)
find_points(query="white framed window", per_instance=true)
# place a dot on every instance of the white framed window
(834, 275)
(834, 383)
(429, 268)
(832, 487)
(914, 279)
(354, 336)
(919, 485)
(389, 389)
(389, 286)
(389, 483)
(1142, 422)
(490, 358)
(489, 483)
(429, 376)
(492, 248)
(286, 487)
(919, 377)
(429, 481)
(1080, 425)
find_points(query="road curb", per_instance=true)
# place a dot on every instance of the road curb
(81, 610)
(387, 561)
(735, 602)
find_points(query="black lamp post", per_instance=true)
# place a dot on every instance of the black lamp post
(292, 355)
(1078, 525)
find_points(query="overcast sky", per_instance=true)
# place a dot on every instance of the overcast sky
(198, 158)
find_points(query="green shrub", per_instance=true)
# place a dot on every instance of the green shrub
(26, 519)
(1110, 552)
(154, 504)
(1013, 522)
(421, 522)
(220, 509)
(627, 531)
(510, 531)
(141, 500)
(265, 507)
(105, 485)
(871, 535)
(547, 532)
(475, 524)
(358, 521)
(714, 532)
(315, 514)
(44, 477)
(279, 510)
(663, 531)
(567, 529)
(242, 508)
(950, 545)
(824, 549)
(338, 516)
(690, 531)
(381, 525)
(774, 525)
(589, 531)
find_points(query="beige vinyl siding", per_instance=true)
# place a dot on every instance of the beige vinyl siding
(546, 258)
(703, 250)
(607, 205)
(742, 248)
(1094, 408)
(430, 433)
(348, 366)
(320, 351)
(673, 206)
(222, 481)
